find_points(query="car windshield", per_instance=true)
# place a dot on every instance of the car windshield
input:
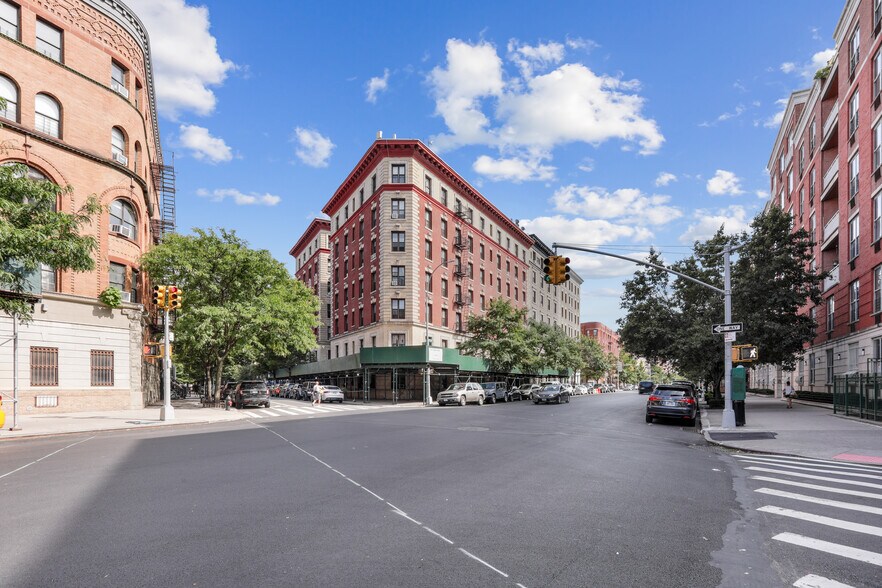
(457, 387)
(551, 387)
(488, 385)
(646, 384)
(672, 392)
(253, 386)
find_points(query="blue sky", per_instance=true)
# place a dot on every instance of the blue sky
(619, 125)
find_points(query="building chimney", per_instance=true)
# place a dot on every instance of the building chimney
(379, 135)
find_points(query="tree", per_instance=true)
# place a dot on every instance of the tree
(33, 233)
(499, 336)
(240, 304)
(595, 363)
(646, 327)
(632, 371)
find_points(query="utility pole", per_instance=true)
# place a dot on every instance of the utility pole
(167, 412)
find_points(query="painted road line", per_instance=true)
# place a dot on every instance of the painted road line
(404, 514)
(269, 413)
(479, 560)
(807, 460)
(820, 471)
(863, 555)
(813, 581)
(837, 466)
(811, 477)
(252, 415)
(821, 520)
(817, 487)
(861, 458)
(45, 456)
(442, 537)
(825, 501)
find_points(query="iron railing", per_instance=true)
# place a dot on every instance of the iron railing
(857, 394)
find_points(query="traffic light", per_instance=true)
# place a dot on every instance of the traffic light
(548, 267)
(563, 271)
(175, 297)
(744, 353)
(159, 296)
(154, 350)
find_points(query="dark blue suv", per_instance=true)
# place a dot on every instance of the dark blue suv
(645, 387)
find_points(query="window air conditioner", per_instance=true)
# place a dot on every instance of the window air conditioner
(119, 88)
(119, 158)
(126, 296)
(121, 230)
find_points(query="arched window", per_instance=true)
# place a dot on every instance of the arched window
(9, 93)
(47, 275)
(118, 146)
(47, 115)
(123, 219)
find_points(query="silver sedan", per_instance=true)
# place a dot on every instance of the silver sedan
(332, 394)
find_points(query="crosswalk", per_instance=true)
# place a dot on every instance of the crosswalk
(825, 507)
(296, 410)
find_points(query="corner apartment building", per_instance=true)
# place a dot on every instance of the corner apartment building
(313, 257)
(826, 171)
(549, 304)
(608, 338)
(80, 111)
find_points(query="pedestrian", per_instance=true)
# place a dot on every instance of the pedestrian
(316, 394)
(788, 394)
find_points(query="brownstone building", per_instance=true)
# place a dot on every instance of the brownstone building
(80, 111)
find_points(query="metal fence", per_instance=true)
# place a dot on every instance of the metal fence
(857, 394)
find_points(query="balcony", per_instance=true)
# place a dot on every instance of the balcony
(461, 300)
(831, 177)
(832, 279)
(460, 243)
(463, 213)
(831, 232)
(461, 272)
(830, 124)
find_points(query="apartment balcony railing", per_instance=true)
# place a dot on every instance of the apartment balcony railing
(461, 272)
(461, 300)
(831, 227)
(831, 120)
(830, 176)
(832, 279)
(463, 213)
(460, 243)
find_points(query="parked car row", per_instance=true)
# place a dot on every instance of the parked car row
(463, 393)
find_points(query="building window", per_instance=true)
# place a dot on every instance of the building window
(374, 184)
(47, 115)
(877, 217)
(853, 169)
(443, 317)
(854, 51)
(373, 247)
(118, 79)
(877, 289)
(398, 275)
(830, 368)
(48, 278)
(444, 228)
(854, 234)
(854, 290)
(9, 93)
(877, 74)
(443, 288)
(360, 228)
(428, 281)
(118, 146)
(831, 313)
(398, 308)
(853, 104)
(373, 217)
(397, 241)
(801, 201)
(429, 313)
(428, 249)
(398, 173)
(444, 196)
(44, 366)
(9, 19)
(398, 340)
(117, 276)
(813, 131)
(101, 368)
(48, 40)
(813, 228)
(801, 159)
(812, 188)
(811, 368)
(398, 209)
(374, 313)
(427, 185)
(373, 281)
(443, 254)
(428, 219)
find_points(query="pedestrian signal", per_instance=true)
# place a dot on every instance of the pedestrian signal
(744, 353)
(153, 350)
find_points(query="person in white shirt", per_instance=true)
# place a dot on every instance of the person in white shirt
(788, 394)
(316, 394)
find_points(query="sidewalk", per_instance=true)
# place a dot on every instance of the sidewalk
(187, 412)
(806, 430)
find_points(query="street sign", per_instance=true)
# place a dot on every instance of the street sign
(727, 328)
(729, 337)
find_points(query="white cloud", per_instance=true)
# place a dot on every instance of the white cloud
(530, 58)
(788, 66)
(534, 114)
(203, 146)
(587, 164)
(627, 204)
(314, 149)
(807, 69)
(238, 197)
(665, 178)
(185, 56)
(774, 121)
(761, 194)
(376, 85)
(513, 169)
(738, 111)
(724, 182)
(707, 222)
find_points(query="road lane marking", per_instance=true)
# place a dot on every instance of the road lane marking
(811, 477)
(813, 581)
(822, 520)
(824, 501)
(371, 493)
(404, 514)
(841, 473)
(817, 487)
(443, 538)
(783, 460)
(354, 482)
(863, 555)
(287, 411)
(269, 413)
(45, 456)
(479, 560)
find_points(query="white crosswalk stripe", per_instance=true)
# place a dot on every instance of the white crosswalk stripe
(811, 519)
(281, 410)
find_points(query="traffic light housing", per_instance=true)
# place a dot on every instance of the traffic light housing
(563, 272)
(175, 297)
(548, 267)
(744, 353)
(154, 350)
(159, 293)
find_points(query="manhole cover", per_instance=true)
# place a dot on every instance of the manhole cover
(756, 436)
(473, 428)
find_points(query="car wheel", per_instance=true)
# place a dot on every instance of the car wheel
(648, 419)
(462, 401)
(535, 402)
(266, 405)
(690, 422)
(568, 399)
(481, 399)
(492, 399)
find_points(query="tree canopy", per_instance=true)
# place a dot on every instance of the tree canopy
(240, 305)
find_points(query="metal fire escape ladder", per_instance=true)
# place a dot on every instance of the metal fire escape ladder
(164, 182)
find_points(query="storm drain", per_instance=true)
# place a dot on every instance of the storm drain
(750, 436)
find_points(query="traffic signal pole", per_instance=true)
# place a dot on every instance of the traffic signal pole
(728, 410)
(167, 412)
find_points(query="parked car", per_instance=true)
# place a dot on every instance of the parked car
(524, 391)
(645, 387)
(568, 387)
(461, 393)
(332, 394)
(672, 401)
(581, 390)
(552, 393)
(494, 391)
(252, 393)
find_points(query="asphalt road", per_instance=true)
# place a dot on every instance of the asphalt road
(582, 494)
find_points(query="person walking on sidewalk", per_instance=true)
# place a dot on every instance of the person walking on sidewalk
(788, 394)
(316, 394)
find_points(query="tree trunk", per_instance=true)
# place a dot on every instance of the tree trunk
(218, 373)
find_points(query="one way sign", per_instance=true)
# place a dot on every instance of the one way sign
(727, 328)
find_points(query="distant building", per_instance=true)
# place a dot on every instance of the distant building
(608, 339)
(313, 256)
(826, 171)
(80, 110)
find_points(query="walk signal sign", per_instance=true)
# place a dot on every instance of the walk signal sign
(154, 350)
(744, 353)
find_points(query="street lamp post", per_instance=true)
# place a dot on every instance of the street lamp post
(427, 395)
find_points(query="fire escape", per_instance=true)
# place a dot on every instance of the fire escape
(164, 184)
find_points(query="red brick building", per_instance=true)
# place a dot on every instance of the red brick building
(826, 171)
(313, 257)
(607, 338)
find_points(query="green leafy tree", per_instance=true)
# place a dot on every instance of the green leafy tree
(33, 232)
(239, 304)
(646, 328)
(595, 363)
(499, 336)
(632, 371)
